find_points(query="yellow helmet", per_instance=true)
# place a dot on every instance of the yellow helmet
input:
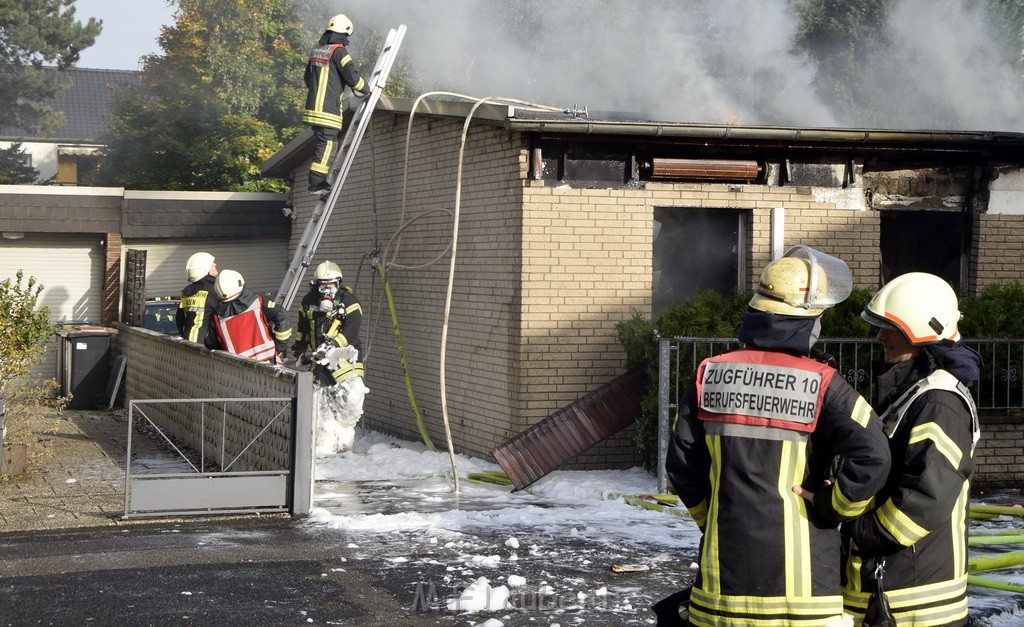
(228, 285)
(922, 306)
(340, 24)
(198, 266)
(803, 282)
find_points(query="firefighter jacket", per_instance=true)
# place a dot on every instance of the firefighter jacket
(329, 70)
(919, 524)
(195, 313)
(754, 424)
(252, 326)
(337, 327)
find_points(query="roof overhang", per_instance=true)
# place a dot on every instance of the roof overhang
(550, 122)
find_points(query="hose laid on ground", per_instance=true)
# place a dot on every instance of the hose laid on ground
(997, 510)
(979, 540)
(995, 584)
(401, 355)
(995, 562)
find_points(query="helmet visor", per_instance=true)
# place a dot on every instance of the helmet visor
(830, 281)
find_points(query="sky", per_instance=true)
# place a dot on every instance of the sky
(425, 515)
(130, 30)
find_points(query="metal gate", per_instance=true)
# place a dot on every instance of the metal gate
(234, 475)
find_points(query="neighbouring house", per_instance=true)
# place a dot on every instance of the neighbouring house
(74, 240)
(563, 225)
(70, 154)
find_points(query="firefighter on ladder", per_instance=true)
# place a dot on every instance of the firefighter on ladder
(757, 429)
(328, 338)
(248, 324)
(329, 70)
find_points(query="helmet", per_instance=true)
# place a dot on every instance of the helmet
(228, 285)
(803, 282)
(921, 305)
(340, 24)
(198, 266)
(327, 272)
(327, 279)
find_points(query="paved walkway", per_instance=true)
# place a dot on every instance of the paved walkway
(76, 474)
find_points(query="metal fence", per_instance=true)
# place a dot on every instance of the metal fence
(1000, 386)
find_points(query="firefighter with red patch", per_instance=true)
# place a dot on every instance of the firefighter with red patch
(329, 70)
(758, 428)
(248, 324)
(914, 539)
(198, 302)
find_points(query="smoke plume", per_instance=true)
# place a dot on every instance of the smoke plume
(703, 61)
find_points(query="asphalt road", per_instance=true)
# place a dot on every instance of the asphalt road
(275, 571)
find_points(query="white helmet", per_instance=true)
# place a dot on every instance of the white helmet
(803, 282)
(922, 306)
(198, 266)
(228, 285)
(340, 24)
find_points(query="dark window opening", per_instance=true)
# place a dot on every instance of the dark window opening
(922, 241)
(695, 249)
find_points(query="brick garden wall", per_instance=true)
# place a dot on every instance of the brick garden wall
(163, 368)
(999, 456)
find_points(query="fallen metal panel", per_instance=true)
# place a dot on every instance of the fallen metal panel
(202, 492)
(571, 430)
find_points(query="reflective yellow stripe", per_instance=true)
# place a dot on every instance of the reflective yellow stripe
(759, 610)
(699, 513)
(905, 530)
(861, 412)
(795, 528)
(346, 370)
(323, 166)
(943, 444)
(282, 335)
(959, 529)
(709, 567)
(195, 302)
(321, 87)
(360, 86)
(345, 60)
(844, 506)
(352, 308)
(321, 118)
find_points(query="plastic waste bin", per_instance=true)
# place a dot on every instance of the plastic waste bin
(83, 365)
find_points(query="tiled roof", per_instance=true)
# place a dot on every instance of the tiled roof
(85, 104)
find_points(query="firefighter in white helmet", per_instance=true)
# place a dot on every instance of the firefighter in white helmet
(915, 535)
(248, 324)
(329, 70)
(751, 457)
(328, 337)
(198, 302)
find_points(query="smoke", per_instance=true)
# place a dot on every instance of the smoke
(703, 61)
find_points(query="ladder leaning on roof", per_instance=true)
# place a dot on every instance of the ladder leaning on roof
(339, 169)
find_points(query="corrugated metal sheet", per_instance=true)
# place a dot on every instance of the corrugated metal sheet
(569, 431)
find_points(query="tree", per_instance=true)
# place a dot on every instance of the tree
(222, 99)
(15, 168)
(34, 33)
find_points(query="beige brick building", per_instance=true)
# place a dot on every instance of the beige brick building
(567, 225)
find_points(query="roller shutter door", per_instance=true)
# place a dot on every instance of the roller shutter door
(70, 267)
(263, 262)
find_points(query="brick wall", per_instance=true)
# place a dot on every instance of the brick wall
(999, 456)
(163, 368)
(995, 251)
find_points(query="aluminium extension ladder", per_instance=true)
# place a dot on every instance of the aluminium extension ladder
(339, 169)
